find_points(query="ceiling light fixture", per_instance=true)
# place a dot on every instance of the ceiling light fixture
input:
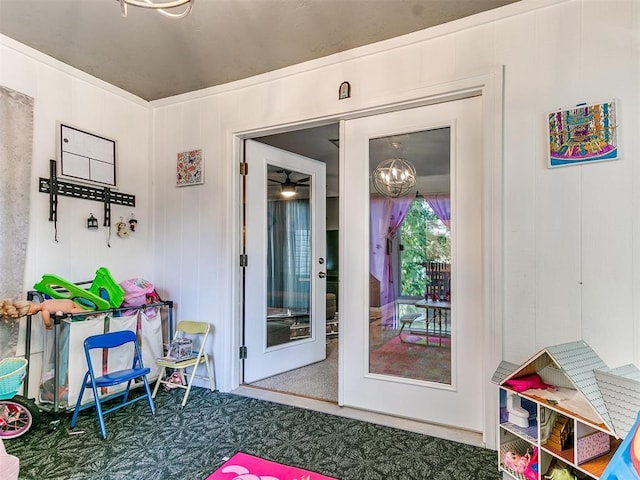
(288, 188)
(394, 177)
(161, 7)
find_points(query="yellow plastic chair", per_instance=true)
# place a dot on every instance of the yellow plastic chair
(191, 329)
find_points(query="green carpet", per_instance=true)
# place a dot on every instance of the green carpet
(191, 443)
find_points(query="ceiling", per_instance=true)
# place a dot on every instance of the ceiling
(220, 41)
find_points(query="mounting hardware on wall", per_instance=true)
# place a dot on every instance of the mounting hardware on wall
(92, 222)
(55, 187)
(344, 91)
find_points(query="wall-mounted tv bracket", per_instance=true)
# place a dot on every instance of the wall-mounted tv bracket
(55, 187)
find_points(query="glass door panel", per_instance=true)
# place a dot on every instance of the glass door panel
(289, 256)
(410, 256)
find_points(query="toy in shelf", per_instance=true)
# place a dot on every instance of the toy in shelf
(531, 472)
(560, 435)
(521, 384)
(516, 462)
(560, 473)
(547, 422)
(517, 415)
(526, 464)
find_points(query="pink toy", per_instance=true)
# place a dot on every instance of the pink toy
(525, 383)
(515, 462)
(531, 472)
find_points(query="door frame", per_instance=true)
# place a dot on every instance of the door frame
(489, 84)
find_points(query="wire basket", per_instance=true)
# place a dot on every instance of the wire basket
(12, 371)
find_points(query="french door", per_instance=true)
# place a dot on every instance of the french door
(456, 401)
(285, 241)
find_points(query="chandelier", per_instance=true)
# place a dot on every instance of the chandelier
(394, 177)
(161, 7)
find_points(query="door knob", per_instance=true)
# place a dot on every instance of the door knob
(322, 274)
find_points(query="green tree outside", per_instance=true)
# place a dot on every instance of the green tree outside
(424, 238)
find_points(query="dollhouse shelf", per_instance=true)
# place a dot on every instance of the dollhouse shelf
(105, 195)
(577, 424)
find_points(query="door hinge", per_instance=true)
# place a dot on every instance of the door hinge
(243, 352)
(244, 168)
(244, 260)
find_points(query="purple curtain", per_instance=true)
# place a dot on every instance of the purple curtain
(386, 217)
(441, 205)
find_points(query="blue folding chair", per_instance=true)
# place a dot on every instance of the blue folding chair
(91, 380)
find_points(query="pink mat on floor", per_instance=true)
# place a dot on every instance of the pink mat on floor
(243, 465)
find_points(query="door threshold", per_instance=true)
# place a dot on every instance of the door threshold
(440, 431)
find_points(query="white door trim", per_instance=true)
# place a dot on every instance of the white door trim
(489, 84)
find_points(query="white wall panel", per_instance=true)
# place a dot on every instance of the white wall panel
(438, 60)
(520, 163)
(558, 245)
(167, 222)
(607, 289)
(557, 192)
(474, 49)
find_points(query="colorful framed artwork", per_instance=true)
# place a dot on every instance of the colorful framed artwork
(583, 134)
(190, 168)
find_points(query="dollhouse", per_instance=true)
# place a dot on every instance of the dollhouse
(564, 410)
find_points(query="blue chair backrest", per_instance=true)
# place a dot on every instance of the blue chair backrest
(110, 340)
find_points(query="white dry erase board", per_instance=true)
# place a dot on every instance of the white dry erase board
(86, 156)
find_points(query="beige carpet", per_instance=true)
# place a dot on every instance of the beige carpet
(318, 380)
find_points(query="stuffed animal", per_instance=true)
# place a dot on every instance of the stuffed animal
(122, 229)
(13, 310)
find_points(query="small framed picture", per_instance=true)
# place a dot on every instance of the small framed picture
(190, 168)
(344, 91)
(583, 134)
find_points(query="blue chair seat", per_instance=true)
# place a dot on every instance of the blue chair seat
(94, 382)
(115, 378)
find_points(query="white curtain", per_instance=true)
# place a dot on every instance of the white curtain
(16, 145)
(288, 254)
